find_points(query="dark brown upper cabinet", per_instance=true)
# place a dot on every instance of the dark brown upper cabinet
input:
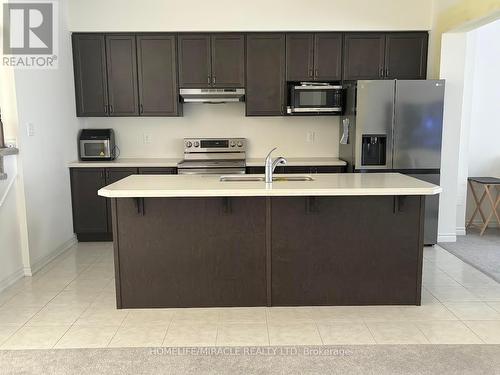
(406, 55)
(194, 60)
(314, 56)
(364, 56)
(89, 59)
(328, 56)
(122, 75)
(216, 60)
(299, 57)
(156, 62)
(398, 55)
(228, 60)
(265, 89)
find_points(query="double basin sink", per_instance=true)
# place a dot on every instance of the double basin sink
(249, 178)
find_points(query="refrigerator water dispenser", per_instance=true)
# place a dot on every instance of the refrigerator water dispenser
(374, 150)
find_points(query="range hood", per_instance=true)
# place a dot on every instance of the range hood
(212, 96)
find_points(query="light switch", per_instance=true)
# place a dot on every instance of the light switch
(31, 129)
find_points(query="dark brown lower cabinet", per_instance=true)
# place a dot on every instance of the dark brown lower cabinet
(158, 170)
(186, 252)
(92, 213)
(299, 169)
(257, 251)
(346, 250)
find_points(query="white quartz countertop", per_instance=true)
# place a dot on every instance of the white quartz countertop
(172, 162)
(312, 161)
(335, 184)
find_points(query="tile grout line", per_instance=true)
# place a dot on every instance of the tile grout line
(119, 327)
(267, 328)
(371, 333)
(474, 332)
(166, 331)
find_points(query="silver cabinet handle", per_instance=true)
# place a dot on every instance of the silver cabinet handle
(208, 80)
(381, 72)
(213, 80)
(387, 72)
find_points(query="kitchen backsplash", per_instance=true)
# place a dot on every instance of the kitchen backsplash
(162, 136)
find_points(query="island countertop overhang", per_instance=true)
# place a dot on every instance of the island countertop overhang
(335, 184)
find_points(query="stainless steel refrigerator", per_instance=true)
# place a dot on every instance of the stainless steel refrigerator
(396, 125)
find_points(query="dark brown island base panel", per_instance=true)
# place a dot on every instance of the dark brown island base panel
(274, 251)
(92, 213)
(139, 74)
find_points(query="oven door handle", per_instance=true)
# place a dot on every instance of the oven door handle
(210, 171)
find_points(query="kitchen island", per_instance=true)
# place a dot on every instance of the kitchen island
(196, 241)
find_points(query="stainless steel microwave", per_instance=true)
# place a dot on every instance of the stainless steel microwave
(97, 144)
(315, 98)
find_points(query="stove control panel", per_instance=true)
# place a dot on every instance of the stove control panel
(207, 145)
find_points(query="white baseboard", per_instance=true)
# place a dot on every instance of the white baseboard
(11, 279)
(461, 231)
(41, 262)
(447, 237)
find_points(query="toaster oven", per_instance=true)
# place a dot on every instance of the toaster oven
(97, 144)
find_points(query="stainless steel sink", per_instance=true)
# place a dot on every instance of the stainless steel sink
(249, 178)
(293, 178)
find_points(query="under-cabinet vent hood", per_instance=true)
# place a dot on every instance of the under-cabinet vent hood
(213, 96)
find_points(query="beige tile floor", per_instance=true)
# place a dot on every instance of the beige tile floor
(71, 304)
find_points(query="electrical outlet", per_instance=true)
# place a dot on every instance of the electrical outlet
(31, 129)
(310, 137)
(147, 138)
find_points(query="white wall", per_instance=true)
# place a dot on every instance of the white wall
(223, 15)
(45, 98)
(483, 157)
(12, 241)
(11, 264)
(205, 120)
(455, 71)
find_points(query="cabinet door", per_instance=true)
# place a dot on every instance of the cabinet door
(122, 75)
(265, 94)
(156, 60)
(114, 175)
(228, 60)
(299, 57)
(328, 57)
(89, 59)
(194, 60)
(90, 213)
(364, 56)
(406, 55)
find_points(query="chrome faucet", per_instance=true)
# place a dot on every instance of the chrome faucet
(272, 164)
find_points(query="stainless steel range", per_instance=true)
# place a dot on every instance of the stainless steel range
(213, 156)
